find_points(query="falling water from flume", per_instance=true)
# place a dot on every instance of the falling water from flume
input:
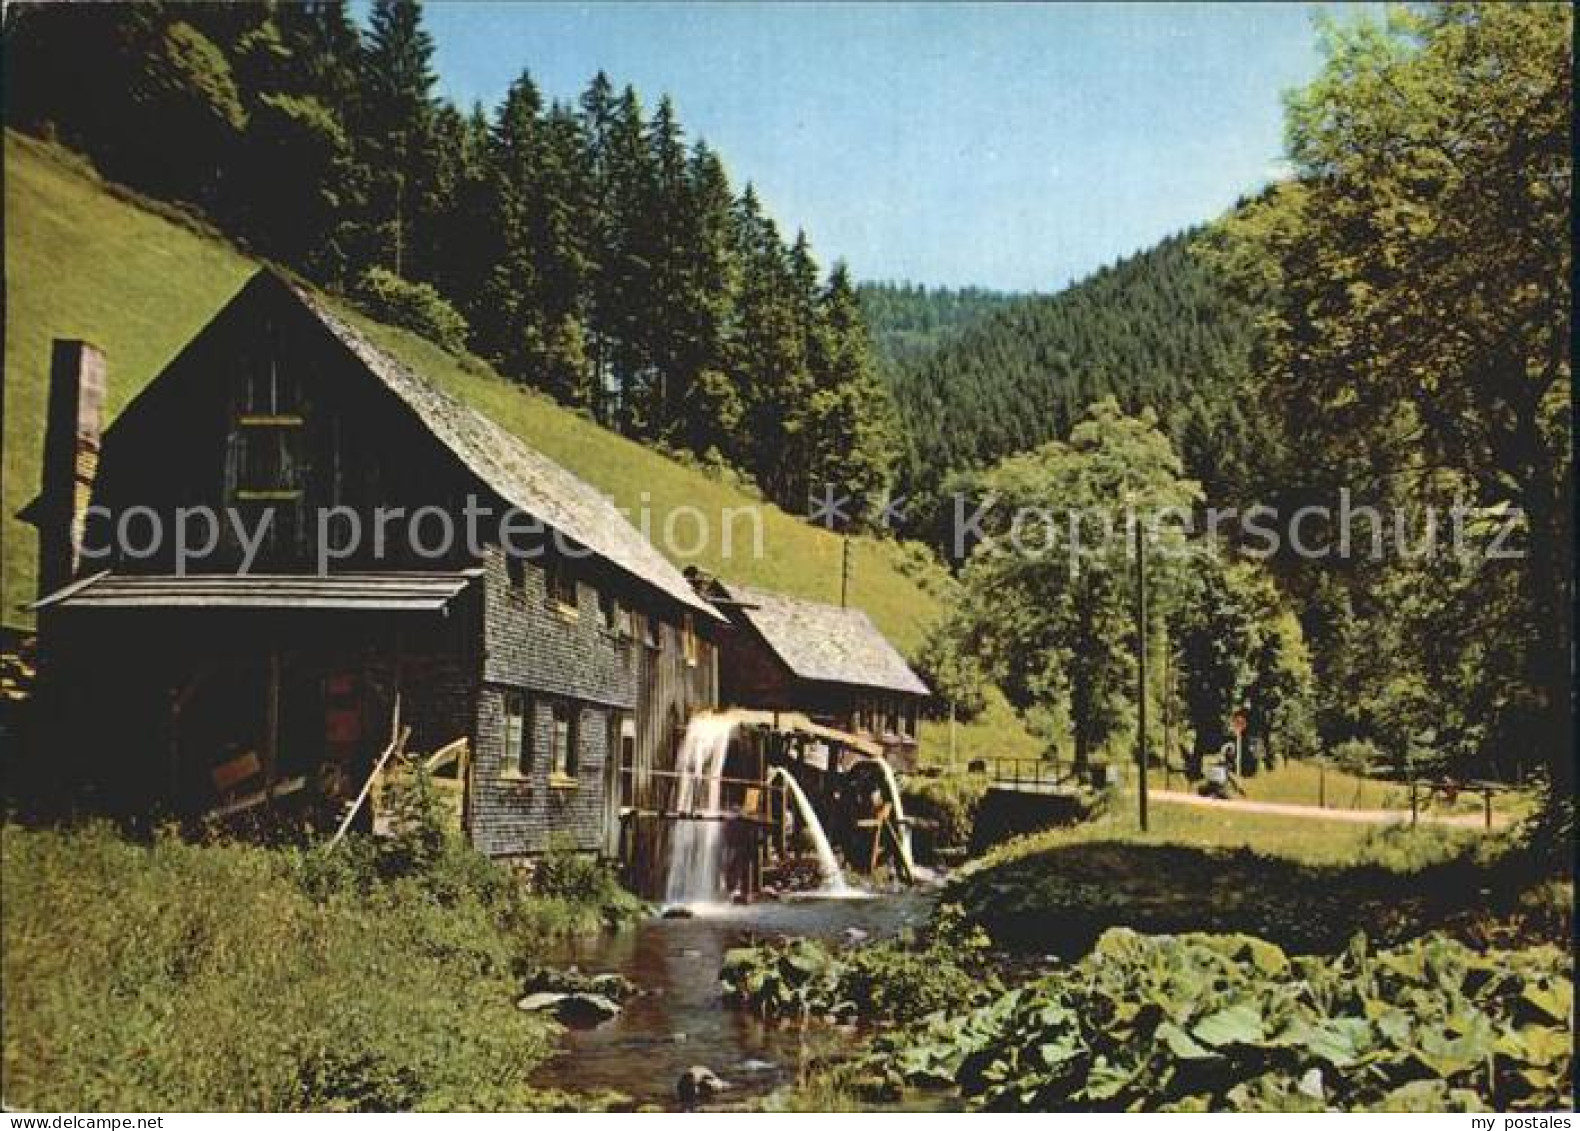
(828, 865)
(696, 845)
(904, 827)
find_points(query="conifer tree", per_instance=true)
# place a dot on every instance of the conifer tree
(396, 114)
(504, 322)
(711, 411)
(662, 240)
(852, 443)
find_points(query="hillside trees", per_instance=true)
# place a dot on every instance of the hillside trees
(1240, 649)
(1418, 334)
(1049, 592)
(394, 119)
(910, 321)
(594, 250)
(853, 430)
(1155, 330)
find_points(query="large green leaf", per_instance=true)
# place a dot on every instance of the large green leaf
(1239, 1024)
(1340, 1041)
(1181, 1044)
(1552, 997)
(1449, 1056)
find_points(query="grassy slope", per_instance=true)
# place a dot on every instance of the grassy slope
(1300, 783)
(1307, 884)
(211, 977)
(82, 263)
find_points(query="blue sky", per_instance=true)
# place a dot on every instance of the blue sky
(1010, 146)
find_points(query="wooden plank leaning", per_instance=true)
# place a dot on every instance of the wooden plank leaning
(398, 737)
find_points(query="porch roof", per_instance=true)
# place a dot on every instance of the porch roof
(363, 592)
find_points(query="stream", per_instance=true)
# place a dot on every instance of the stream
(680, 1019)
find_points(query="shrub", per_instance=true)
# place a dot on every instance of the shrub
(1407, 848)
(895, 980)
(1361, 757)
(949, 800)
(417, 307)
(948, 664)
(579, 880)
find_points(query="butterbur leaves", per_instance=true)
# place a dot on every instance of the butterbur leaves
(1203, 1022)
(1339, 1041)
(1181, 1044)
(1552, 998)
(1239, 1024)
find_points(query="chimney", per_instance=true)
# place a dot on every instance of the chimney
(77, 379)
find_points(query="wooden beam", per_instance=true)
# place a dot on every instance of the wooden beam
(284, 789)
(397, 741)
(271, 721)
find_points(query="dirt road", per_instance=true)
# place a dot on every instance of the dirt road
(1356, 816)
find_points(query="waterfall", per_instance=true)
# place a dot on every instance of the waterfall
(833, 878)
(695, 847)
(893, 788)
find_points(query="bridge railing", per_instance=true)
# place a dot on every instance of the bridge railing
(1023, 773)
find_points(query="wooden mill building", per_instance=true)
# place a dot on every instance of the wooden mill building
(562, 652)
(827, 662)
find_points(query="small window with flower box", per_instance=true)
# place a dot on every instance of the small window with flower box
(561, 587)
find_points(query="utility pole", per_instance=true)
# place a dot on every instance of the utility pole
(844, 571)
(1141, 670)
(1168, 706)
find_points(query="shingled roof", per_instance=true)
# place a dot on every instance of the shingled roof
(824, 643)
(520, 476)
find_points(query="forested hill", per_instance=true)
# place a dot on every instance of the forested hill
(1156, 329)
(588, 248)
(908, 321)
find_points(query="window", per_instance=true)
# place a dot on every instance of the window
(891, 722)
(560, 584)
(622, 752)
(517, 758)
(516, 572)
(688, 639)
(562, 752)
(615, 618)
(653, 633)
(268, 432)
(268, 390)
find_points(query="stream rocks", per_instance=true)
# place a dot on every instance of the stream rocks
(699, 1084)
(615, 987)
(579, 1011)
(574, 998)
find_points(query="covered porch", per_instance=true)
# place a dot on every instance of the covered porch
(217, 697)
